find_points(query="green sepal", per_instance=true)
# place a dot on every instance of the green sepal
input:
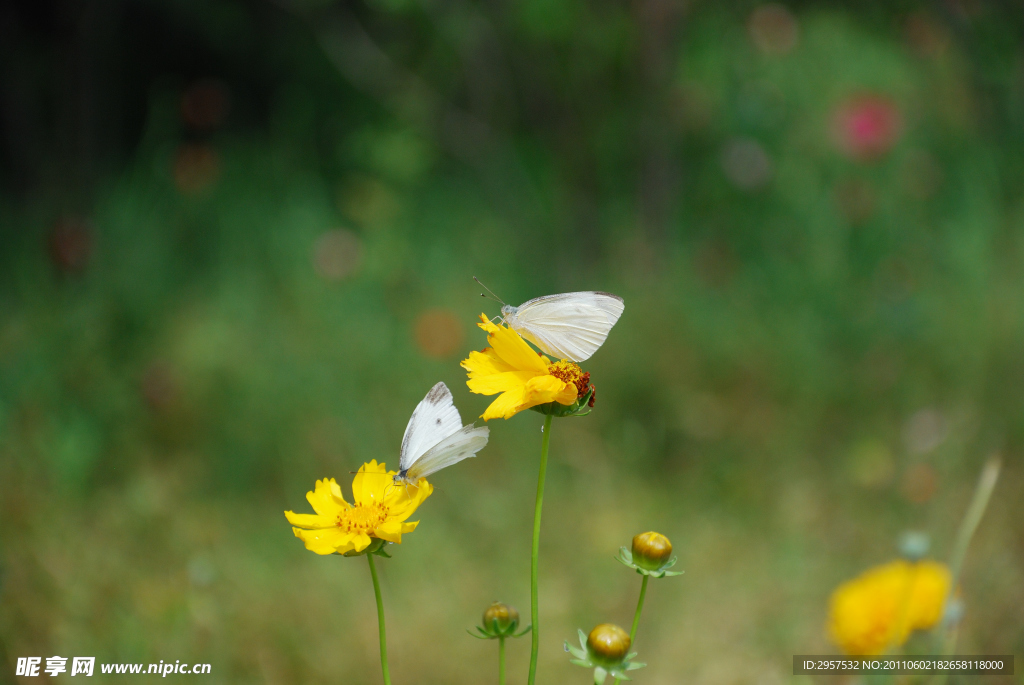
(599, 675)
(577, 408)
(580, 654)
(376, 547)
(625, 558)
(492, 632)
(524, 631)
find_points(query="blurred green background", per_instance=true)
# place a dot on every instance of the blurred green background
(236, 248)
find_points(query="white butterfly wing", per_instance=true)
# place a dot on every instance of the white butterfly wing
(451, 450)
(434, 419)
(570, 325)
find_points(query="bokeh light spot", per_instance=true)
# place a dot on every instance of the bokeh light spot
(924, 431)
(159, 386)
(920, 483)
(205, 104)
(196, 168)
(746, 164)
(925, 36)
(439, 333)
(368, 201)
(871, 464)
(71, 244)
(337, 255)
(773, 29)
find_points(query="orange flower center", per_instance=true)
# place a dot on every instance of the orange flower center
(363, 518)
(568, 372)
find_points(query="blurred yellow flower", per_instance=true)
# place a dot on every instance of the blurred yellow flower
(525, 378)
(881, 607)
(379, 511)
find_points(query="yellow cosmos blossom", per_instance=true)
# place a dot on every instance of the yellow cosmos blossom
(379, 510)
(524, 377)
(881, 607)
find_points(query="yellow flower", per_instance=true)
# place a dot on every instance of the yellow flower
(379, 511)
(524, 378)
(881, 607)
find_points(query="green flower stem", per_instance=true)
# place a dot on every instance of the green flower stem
(636, 616)
(380, 623)
(976, 510)
(639, 608)
(501, 661)
(982, 493)
(535, 633)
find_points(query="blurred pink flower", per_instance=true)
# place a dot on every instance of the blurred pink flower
(866, 127)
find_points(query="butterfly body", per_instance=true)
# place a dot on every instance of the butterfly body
(568, 325)
(435, 438)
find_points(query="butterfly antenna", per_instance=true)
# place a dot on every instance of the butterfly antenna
(493, 296)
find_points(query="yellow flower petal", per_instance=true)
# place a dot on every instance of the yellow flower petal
(360, 542)
(881, 607)
(485, 363)
(390, 531)
(515, 351)
(544, 389)
(309, 520)
(404, 499)
(326, 498)
(370, 483)
(501, 382)
(325, 541)
(507, 405)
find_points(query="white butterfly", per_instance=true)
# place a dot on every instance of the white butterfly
(568, 326)
(435, 437)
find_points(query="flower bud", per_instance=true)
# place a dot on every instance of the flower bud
(608, 644)
(651, 550)
(501, 619)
